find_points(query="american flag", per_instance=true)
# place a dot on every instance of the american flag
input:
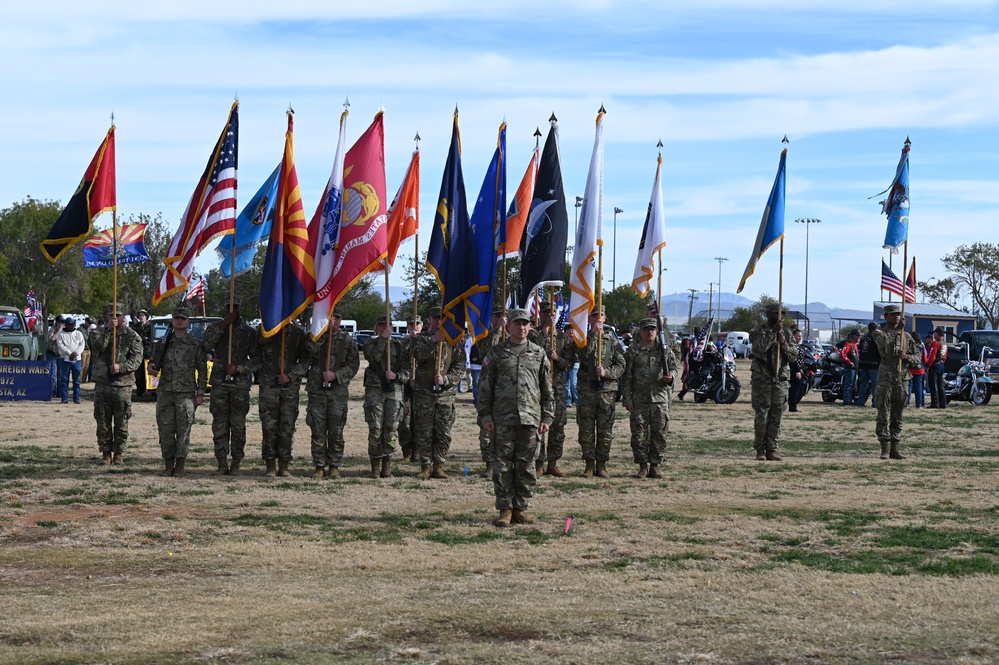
(197, 291)
(32, 309)
(891, 283)
(210, 213)
(702, 339)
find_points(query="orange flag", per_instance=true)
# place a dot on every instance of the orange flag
(404, 213)
(520, 208)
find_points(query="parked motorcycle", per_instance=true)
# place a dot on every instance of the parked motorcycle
(829, 377)
(972, 383)
(717, 379)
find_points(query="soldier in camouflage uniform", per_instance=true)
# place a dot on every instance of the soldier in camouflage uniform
(333, 363)
(497, 325)
(898, 354)
(597, 391)
(113, 381)
(561, 356)
(231, 380)
(770, 382)
(648, 380)
(142, 326)
(383, 393)
(407, 442)
(280, 386)
(180, 361)
(516, 402)
(439, 367)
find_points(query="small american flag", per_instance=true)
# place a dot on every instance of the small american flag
(891, 283)
(197, 291)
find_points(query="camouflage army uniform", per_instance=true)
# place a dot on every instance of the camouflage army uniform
(176, 390)
(595, 409)
(230, 400)
(113, 395)
(433, 406)
(485, 436)
(515, 395)
(770, 388)
(892, 387)
(406, 434)
(551, 446)
(279, 403)
(382, 398)
(648, 397)
(326, 413)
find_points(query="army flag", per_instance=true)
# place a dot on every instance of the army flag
(582, 278)
(95, 194)
(896, 206)
(211, 212)
(772, 224)
(253, 226)
(512, 231)
(288, 281)
(99, 249)
(543, 243)
(653, 238)
(324, 232)
(404, 213)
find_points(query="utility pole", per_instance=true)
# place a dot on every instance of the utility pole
(720, 260)
(614, 258)
(690, 311)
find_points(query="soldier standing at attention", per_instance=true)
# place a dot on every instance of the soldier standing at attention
(496, 326)
(561, 356)
(114, 377)
(333, 362)
(383, 394)
(647, 382)
(898, 354)
(142, 326)
(516, 403)
(180, 361)
(439, 367)
(770, 382)
(231, 379)
(407, 442)
(597, 391)
(284, 360)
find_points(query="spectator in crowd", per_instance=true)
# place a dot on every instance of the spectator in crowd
(851, 360)
(797, 388)
(69, 345)
(867, 370)
(935, 363)
(918, 372)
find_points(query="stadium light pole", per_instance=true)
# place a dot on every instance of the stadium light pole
(720, 260)
(807, 221)
(614, 257)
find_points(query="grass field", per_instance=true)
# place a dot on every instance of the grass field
(831, 556)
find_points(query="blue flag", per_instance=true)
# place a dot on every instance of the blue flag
(487, 219)
(451, 256)
(772, 224)
(252, 225)
(896, 206)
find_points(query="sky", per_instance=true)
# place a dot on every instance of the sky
(720, 82)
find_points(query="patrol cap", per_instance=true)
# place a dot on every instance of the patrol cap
(335, 313)
(414, 322)
(499, 310)
(381, 321)
(598, 311)
(182, 311)
(772, 308)
(892, 309)
(547, 307)
(435, 312)
(645, 324)
(518, 315)
(115, 308)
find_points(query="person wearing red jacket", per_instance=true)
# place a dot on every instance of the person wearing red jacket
(851, 360)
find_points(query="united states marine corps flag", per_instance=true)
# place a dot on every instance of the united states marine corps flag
(95, 194)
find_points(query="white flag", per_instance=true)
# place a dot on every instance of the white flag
(653, 238)
(329, 227)
(582, 279)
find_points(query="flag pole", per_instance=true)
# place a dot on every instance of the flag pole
(114, 282)
(388, 319)
(903, 345)
(600, 295)
(780, 304)
(232, 288)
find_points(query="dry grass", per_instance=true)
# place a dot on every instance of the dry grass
(831, 556)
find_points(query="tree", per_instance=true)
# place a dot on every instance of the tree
(944, 292)
(974, 271)
(624, 307)
(746, 318)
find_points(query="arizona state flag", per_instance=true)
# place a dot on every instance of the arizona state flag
(95, 194)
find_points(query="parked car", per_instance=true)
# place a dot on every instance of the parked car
(969, 345)
(362, 336)
(17, 342)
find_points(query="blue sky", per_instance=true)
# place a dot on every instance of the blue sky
(719, 81)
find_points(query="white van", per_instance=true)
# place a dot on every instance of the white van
(350, 325)
(738, 341)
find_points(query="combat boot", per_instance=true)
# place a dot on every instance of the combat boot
(438, 471)
(504, 519)
(884, 450)
(553, 469)
(106, 458)
(167, 467)
(271, 468)
(601, 471)
(643, 471)
(376, 465)
(386, 467)
(425, 471)
(539, 468)
(520, 517)
(333, 472)
(588, 471)
(117, 460)
(488, 473)
(320, 473)
(772, 456)
(894, 453)
(234, 467)
(178, 467)
(654, 471)
(283, 471)
(223, 469)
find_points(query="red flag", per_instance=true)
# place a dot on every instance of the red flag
(363, 242)
(404, 213)
(95, 194)
(520, 208)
